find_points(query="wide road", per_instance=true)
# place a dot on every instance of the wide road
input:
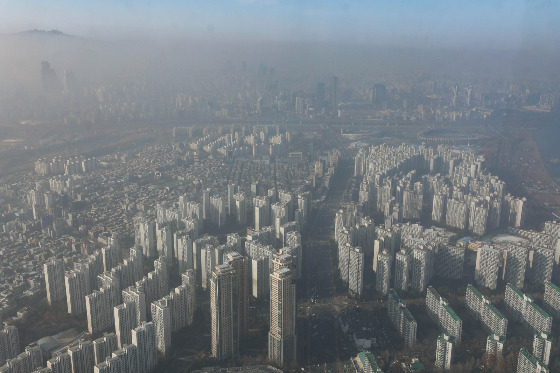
(316, 325)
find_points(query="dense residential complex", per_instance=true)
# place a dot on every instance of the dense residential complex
(523, 308)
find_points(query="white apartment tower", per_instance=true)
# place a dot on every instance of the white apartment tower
(282, 334)
(54, 280)
(223, 305)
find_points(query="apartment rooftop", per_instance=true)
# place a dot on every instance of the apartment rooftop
(451, 312)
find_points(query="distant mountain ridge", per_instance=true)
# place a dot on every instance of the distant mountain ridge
(41, 32)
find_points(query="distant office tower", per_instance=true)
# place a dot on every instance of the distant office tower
(450, 261)
(144, 338)
(383, 275)
(514, 264)
(223, 304)
(9, 342)
(125, 321)
(334, 93)
(523, 308)
(82, 357)
(542, 344)
(439, 311)
(422, 267)
(401, 318)
(282, 335)
(60, 363)
(486, 270)
(135, 295)
(378, 95)
(75, 282)
(402, 268)
(54, 280)
(241, 266)
(495, 345)
(552, 299)
(444, 351)
(103, 347)
(527, 363)
(356, 272)
(161, 317)
(320, 94)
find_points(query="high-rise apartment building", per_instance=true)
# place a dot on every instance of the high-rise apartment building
(356, 272)
(542, 344)
(486, 270)
(54, 280)
(444, 351)
(552, 299)
(223, 306)
(144, 338)
(75, 282)
(125, 320)
(282, 334)
(383, 274)
(527, 363)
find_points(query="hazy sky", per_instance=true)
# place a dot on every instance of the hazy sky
(507, 23)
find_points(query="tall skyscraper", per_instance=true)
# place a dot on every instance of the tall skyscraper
(282, 335)
(54, 280)
(241, 266)
(223, 306)
(334, 94)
